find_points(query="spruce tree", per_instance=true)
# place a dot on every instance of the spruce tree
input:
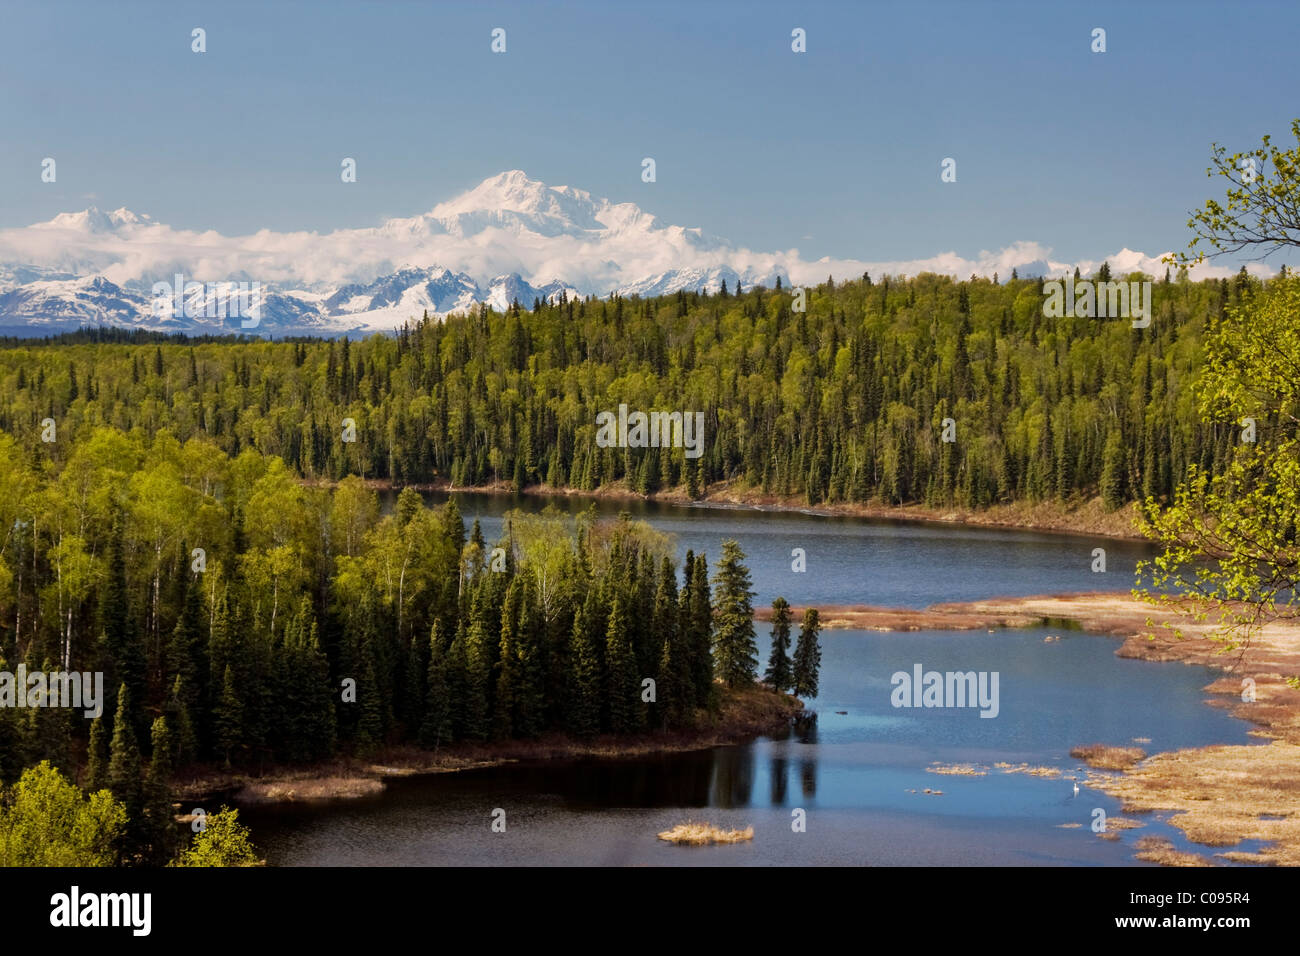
(621, 687)
(185, 657)
(735, 647)
(478, 672)
(314, 725)
(503, 702)
(807, 656)
(697, 627)
(187, 745)
(1112, 471)
(124, 775)
(674, 690)
(530, 666)
(228, 719)
(370, 719)
(779, 673)
(458, 682)
(97, 756)
(436, 728)
(585, 686)
(161, 821)
(119, 632)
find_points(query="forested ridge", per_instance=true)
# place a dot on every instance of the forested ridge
(841, 402)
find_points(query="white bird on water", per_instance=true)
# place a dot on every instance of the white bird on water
(1076, 789)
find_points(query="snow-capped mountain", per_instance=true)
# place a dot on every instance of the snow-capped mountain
(508, 239)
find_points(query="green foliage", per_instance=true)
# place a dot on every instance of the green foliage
(45, 820)
(1229, 535)
(1230, 539)
(223, 841)
(1261, 210)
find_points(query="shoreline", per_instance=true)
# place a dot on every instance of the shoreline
(1088, 518)
(744, 714)
(1219, 794)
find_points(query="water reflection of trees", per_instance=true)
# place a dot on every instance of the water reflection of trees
(721, 776)
(778, 775)
(805, 730)
(733, 776)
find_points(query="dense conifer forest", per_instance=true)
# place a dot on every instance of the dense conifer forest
(842, 402)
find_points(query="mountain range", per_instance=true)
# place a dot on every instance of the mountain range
(510, 238)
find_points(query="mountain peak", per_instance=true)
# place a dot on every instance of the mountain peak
(513, 200)
(94, 220)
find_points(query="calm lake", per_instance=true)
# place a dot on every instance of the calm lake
(859, 771)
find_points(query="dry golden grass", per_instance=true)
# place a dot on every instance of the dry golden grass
(1106, 757)
(693, 833)
(1123, 823)
(1221, 795)
(321, 788)
(957, 769)
(1027, 768)
(1160, 850)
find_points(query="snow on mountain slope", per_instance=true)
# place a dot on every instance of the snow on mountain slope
(510, 238)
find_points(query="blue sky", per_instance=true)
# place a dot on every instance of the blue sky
(835, 151)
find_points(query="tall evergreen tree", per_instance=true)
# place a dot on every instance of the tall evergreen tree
(228, 719)
(97, 756)
(779, 671)
(734, 644)
(437, 726)
(675, 692)
(124, 775)
(478, 672)
(585, 685)
(807, 656)
(697, 627)
(119, 633)
(622, 686)
(159, 817)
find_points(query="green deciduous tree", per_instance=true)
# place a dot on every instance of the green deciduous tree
(223, 841)
(45, 820)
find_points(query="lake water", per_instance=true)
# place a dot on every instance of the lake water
(859, 771)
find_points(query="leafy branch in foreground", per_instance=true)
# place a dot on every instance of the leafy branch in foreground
(1230, 553)
(1260, 213)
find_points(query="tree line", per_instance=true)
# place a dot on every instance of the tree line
(843, 401)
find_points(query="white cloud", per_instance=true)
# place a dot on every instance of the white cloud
(507, 224)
